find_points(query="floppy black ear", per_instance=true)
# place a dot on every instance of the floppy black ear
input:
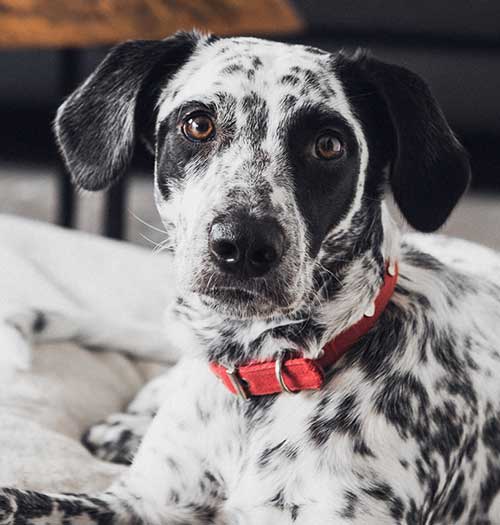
(97, 126)
(430, 169)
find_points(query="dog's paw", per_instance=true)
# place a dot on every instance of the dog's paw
(118, 437)
(7, 508)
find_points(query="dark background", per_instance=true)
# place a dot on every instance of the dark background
(455, 46)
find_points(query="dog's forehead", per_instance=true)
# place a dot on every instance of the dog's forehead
(238, 66)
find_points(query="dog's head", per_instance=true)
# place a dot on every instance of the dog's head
(264, 153)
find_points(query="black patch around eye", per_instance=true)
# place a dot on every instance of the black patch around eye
(377, 129)
(324, 190)
(173, 150)
(194, 107)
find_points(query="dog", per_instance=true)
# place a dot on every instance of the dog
(333, 371)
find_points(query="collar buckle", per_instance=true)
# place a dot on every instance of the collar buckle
(263, 378)
(239, 387)
(278, 370)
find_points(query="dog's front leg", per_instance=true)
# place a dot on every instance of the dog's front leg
(176, 489)
(24, 507)
(165, 491)
(174, 479)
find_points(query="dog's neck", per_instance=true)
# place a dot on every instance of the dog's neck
(349, 276)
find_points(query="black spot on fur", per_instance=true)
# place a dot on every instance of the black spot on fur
(351, 505)
(404, 402)
(289, 80)
(384, 492)
(269, 453)
(172, 463)
(257, 63)
(288, 102)
(490, 487)
(35, 507)
(211, 486)
(174, 497)
(201, 513)
(491, 434)
(257, 116)
(279, 501)
(232, 68)
(39, 323)
(312, 79)
(344, 420)
(257, 408)
(423, 260)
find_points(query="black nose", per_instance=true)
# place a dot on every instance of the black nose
(246, 246)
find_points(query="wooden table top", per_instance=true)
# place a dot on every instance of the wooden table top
(78, 23)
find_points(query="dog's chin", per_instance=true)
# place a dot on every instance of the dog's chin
(244, 304)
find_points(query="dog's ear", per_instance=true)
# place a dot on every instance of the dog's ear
(430, 169)
(97, 126)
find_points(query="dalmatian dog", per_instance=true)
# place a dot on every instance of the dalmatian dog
(333, 371)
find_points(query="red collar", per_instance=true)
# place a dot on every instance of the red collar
(300, 373)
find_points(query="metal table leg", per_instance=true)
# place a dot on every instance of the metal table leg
(69, 68)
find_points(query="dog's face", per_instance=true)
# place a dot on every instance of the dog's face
(258, 158)
(263, 152)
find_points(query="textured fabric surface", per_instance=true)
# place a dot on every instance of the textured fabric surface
(50, 394)
(45, 410)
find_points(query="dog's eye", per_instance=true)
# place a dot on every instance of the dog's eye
(198, 128)
(328, 147)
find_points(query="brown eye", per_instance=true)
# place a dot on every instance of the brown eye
(328, 147)
(198, 128)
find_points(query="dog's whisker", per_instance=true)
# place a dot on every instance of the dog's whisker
(151, 226)
(164, 245)
(146, 238)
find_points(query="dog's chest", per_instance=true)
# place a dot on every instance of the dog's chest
(279, 453)
(314, 454)
(403, 427)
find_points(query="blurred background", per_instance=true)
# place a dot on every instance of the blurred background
(48, 46)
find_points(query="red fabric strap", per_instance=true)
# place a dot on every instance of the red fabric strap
(301, 373)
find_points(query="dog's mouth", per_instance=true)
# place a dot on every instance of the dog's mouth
(244, 303)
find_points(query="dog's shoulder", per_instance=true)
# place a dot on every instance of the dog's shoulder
(459, 254)
(424, 381)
